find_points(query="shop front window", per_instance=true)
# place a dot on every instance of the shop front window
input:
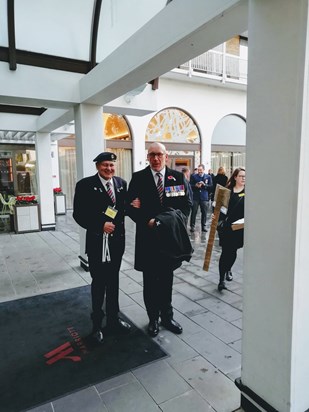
(25, 162)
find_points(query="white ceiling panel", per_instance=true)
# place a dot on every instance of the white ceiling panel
(54, 27)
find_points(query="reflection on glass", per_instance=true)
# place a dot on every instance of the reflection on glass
(26, 172)
(172, 125)
(115, 127)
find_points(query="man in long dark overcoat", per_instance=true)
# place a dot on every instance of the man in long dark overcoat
(99, 207)
(157, 188)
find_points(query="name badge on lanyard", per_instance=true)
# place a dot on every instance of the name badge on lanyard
(111, 212)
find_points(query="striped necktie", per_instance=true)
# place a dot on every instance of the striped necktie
(160, 188)
(110, 192)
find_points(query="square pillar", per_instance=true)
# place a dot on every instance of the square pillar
(275, 361)
(89, 143)
(45, 181)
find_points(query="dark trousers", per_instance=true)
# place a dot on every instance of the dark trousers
(158, 285)
(227, 260)
(204, 206)
(105, 281)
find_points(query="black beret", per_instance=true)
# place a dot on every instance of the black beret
(111, 157)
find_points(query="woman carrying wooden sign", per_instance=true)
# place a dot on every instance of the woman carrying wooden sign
(231, 232)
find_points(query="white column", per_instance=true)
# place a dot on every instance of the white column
(275, 360)
(55, 163)
(89, 143)
(45, 181)
(139, 126)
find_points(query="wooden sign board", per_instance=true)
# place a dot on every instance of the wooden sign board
(222, 198)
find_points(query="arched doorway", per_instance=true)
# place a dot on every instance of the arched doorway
(177, 130)
(228, 143)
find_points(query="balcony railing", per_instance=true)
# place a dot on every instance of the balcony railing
(219, 65)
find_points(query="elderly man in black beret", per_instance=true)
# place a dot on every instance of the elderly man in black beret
(99, 207)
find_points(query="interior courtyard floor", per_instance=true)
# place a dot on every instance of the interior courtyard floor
(203, 361)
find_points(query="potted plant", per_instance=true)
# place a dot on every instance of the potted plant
(26, 214)
(59, 199)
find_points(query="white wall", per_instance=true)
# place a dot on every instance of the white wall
(206, 104)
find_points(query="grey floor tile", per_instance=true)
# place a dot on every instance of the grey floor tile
(189, 401)
(86, 400)
(189, 327)
(135, 275)
(222, 309)
(125, 300)
(128, 285)
(177, 349)
(221, 355)
(194, 279)
(237, 323)
(218, 390)
(186, 306)
(137, 315)
(161, 381)
(236, 345)
(115, 382)
(129, 398)
(190, 291)
(218, 327)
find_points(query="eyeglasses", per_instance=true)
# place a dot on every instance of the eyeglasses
(153, 155)
(241, 176)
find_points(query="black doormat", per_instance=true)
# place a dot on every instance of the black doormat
(46, 351)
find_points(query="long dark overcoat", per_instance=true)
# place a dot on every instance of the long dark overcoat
(143, 186)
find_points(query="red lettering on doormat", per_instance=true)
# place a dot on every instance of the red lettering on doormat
(61, 352)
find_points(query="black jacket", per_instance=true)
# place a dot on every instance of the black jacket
(172, 237)
(90, 203)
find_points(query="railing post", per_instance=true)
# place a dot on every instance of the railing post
(224, 63)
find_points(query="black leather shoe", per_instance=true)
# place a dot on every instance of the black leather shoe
(98, 337)
(221, 286)
(192, 229)
(204, 229)
(172, 325)
(153, 328)
(119, 326)
(229, 276)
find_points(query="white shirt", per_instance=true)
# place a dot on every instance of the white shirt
(156, 178)
(111, 184)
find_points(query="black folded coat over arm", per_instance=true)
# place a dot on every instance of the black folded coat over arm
(172, 237)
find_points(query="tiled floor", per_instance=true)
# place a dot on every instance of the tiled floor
(204, 361)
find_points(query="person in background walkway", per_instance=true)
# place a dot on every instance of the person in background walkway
(99, 207)
(211, 190)
(158, 189)
(220, 178)
(231, 240)
(186, 171)
(200, 183)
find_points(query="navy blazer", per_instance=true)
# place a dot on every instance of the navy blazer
(200, 193)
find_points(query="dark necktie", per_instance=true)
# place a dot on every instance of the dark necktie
(160, 188)
(110, 192)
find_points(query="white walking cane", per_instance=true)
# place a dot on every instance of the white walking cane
(105, 249)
